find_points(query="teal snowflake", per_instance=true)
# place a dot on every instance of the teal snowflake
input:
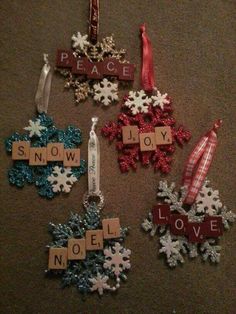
(94, 272)
(42, 131)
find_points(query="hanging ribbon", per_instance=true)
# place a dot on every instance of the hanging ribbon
(44, 87)
(93, 21)
(93, 161)
(201, 157)
(147, 76)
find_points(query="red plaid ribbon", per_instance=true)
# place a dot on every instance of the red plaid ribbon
(201, 157)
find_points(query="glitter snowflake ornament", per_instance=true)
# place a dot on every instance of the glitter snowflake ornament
(94, 68)
(42, 154)
(145, 130)
(87, 251)
(190, 222)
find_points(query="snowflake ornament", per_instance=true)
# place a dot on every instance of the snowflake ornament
(174, 247)
(52, 178)
(141, 110)
(160, 100)
(61, 179)
(101, 270)
(105, 92)
(80, 41)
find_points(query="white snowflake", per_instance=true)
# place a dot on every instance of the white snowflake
(105, 92)
(160, 100)
(61, 179)
(35, 128)
(79, 41)
(100, 284)
(210, 251)
(169, 247)
(138, 102)
(228, 217)
(117, 259)
(208, 201)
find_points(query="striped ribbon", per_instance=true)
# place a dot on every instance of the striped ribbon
(200, 158)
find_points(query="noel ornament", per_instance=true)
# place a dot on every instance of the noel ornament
(44, 155)
(145, 130)
(87, 251)
(191, 221)
(94, 68)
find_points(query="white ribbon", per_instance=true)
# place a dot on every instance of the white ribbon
(44, 86)
(93, 161)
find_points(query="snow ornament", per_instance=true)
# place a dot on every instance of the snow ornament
(94, 68)
(145, 129)
(88, 251)
(190, 222)
(44, 155)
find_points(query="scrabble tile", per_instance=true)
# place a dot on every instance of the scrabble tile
(111, 228)
(64, 58)
(55, 152)
(163, 135)
(130, 134)
(213, 226)
(57, 258)
(94, 240)
(110, 66)
(76, 249)
(20, 150)
(196, 232)
(38, 156)
(147, 141)
(126, 72)
(71, 157)
(178, 224)
(161, 214)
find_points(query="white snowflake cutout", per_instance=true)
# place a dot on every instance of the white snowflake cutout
(208, 201)
(138, 102)
(160, 100)
(35, 128)
(169, 247)
(79, 41)
(117, 259)
(100, 284)
(61, 179)
(105, 92)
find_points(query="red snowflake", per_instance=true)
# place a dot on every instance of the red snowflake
(130, 154)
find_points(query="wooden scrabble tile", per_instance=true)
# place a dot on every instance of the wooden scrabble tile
(76, 249)
(38, 156)
(20, 150)
(64, 58)
(55, 152)
(57, 258)
(94, 240)
(213, 226)
(111, 228)
(196, 232)
(147, 141)
(163, 135)
(178, 224)
(71, 157)
(130, 134)
(161, 214)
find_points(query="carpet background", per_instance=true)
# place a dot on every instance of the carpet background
(194, 51)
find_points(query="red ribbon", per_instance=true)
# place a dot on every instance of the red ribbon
(147, 76)
(201, 157)
(93, 21)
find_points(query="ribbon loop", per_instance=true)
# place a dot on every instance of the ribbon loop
(93, 21)
(147, 76)
(44, 86)
(93, 161)
(201, 157)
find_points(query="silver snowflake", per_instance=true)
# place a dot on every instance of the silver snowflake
(79, 41)
(138, 102)
(117, 259)
(35, 128)
(105, 92)
(61, 179)
(160, 100)
(208, 201)
(100, 284)
(169, 247)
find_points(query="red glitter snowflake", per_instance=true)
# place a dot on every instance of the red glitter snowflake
(130, 154)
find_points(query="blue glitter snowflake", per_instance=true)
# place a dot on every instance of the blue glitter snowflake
(41, 132)
(99, 267)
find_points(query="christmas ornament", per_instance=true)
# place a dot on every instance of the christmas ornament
(87, 251)
(45, 156)
(145, 130)
(191, 221)
(90, 63)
